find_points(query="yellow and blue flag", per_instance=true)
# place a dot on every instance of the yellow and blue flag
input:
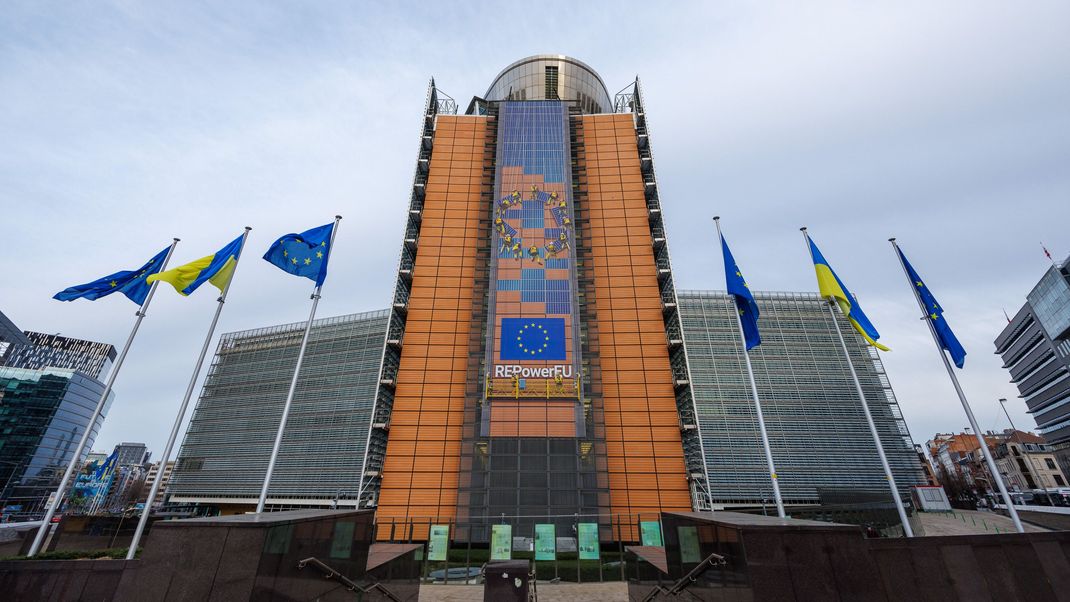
(935, 315)
(303, 254)
(217, 268)
(130, 283)
(740, 291)
(830, 285)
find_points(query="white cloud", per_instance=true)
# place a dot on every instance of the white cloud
(944, 124)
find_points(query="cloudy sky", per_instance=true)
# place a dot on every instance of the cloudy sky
(126, 124)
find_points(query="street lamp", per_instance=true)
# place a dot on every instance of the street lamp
(1036, 473)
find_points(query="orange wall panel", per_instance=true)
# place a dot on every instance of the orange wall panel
(420, 472)
(644, 451)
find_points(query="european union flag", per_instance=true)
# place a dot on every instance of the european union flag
(740, 291)
(130, 283)
(935, 314)
(303, 254)
(532, 339)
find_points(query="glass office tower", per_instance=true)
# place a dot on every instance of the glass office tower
(43, 415)
(817, 432)
(224, 456)
(1035, 347)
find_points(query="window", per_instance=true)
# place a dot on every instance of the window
(1059, 481)
(1050, 463)
(551, 83)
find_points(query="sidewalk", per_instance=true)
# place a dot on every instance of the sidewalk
(969, 522)
(556, 592)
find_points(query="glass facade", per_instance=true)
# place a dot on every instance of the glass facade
(226, 449)
(43, 415)
(53, 351)
(532, 323)
(552, 77)
(1035, 348)
(817, 431)
(1050, 300)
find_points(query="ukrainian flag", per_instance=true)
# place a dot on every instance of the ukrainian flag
(216, 268)
(830, 285)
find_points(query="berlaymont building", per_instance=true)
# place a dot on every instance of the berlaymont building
(537, 363)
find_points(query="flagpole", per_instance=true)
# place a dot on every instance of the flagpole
(76, 458)
(147, 510)
(293, 381)
(757, 403)
(907, 530)
(962, 398)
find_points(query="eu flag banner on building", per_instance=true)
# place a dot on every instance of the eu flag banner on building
(935, 314)
(532, 339)
(740, 291)
(130, 283)
(216, 268)
(303, 254)
(830, 285)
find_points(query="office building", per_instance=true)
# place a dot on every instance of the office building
(1035, 347)
(533, 299)
(817, 429)
(43, 415)
(127, 454)
(224, 455)
(150, 478)
(9, 335)
(533, 363)
(53, 351)
(49, 386)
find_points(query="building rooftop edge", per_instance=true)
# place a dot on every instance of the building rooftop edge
(537, 57)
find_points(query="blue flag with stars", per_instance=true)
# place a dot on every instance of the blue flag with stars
(935, 315)
(130, 283)
(740, 291)
(303, 254)
(532, 339)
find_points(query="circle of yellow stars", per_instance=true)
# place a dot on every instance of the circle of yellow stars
(307, 260)
(520, 337)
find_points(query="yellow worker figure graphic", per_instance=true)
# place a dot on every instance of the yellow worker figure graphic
(551, 199)
(533, 252)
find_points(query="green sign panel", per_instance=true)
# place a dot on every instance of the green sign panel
(438, 542)
(690, 551)
(278, 539)
(650, 532)
(545, 542)
(501, 542)
(587, 534)
(342, 540)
